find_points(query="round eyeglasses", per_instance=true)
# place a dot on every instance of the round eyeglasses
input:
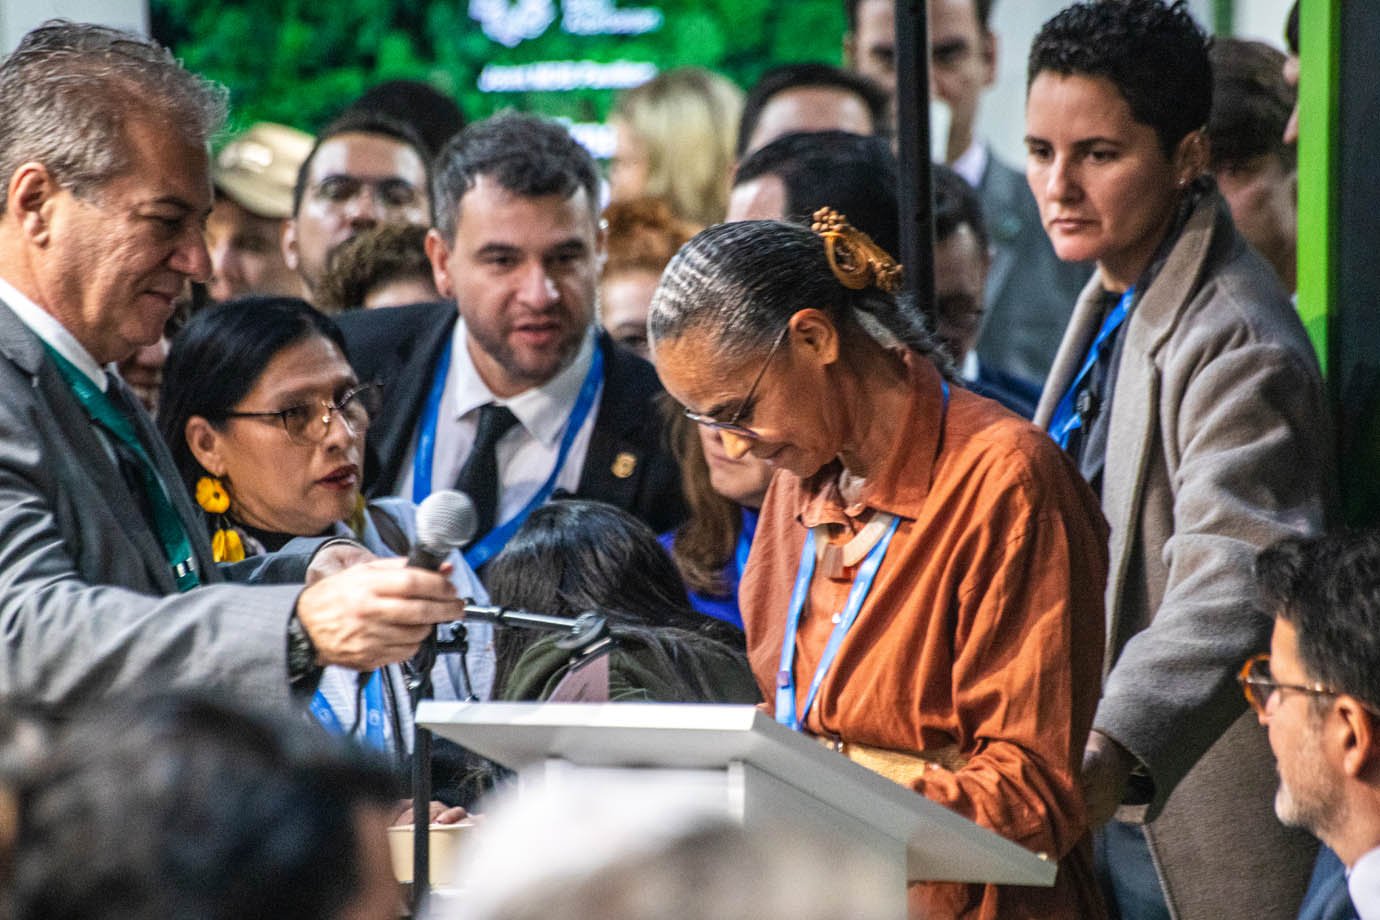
(310, 422)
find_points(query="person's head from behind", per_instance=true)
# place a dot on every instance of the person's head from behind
(598, 848)
(176, 806)
(258, 394)
(810, 97)
(365, 169)
(254, 176)
(797, 174)
(106, 181)
(1254, 167)
(384, 266)
(1118, 94)
(675, 142)
(517, 244)
(1318, 692)
(572, 555)
(961, 260)
(643, 234)
(755, 334)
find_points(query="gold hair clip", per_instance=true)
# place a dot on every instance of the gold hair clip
(856, 261)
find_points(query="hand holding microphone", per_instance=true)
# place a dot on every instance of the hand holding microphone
(381, 612)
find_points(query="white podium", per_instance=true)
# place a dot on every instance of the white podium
(760, 772)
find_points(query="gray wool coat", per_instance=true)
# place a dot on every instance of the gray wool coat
(1219, 444)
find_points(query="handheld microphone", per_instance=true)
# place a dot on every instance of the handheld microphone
(446, 520)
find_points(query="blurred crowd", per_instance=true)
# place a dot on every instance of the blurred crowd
(1052, 544)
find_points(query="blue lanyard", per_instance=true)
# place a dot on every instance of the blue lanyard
(492, 542)
(862, 584)
(1066, 419)
(857, 594)
(374, 715)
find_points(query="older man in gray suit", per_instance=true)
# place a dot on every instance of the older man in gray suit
(106, 578)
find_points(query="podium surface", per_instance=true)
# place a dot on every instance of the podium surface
(769, 771)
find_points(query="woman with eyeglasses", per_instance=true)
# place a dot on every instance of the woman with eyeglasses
(266, 421)
(924, 589)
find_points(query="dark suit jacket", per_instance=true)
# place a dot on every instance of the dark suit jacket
(1030, 292)
(629, 463)
(1327, 897)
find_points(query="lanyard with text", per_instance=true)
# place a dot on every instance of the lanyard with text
(374, 735)
(1067, 418)
(492, 542)
(857, 594)
(172, 533)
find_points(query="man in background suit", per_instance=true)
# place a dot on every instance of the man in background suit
(512, 393)
(106, 578)
(1318, 694)
(1030, 293)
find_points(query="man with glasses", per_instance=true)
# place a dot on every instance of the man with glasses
(366, 169)
(107, 582)
(1318, 695)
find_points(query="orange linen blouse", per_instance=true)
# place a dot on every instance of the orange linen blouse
(982, 636)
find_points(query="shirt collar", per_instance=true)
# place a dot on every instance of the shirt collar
(52, 333)
(542, 410)
(903, 480)
(1363, 883)
(972, 163)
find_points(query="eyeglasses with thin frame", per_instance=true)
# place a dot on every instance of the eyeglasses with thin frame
(733, 425)
(310, 422)
(1258, 685)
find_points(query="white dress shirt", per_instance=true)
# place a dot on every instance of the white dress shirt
(972, 164)
(52, 333)
(527, 453)
(1363, 883)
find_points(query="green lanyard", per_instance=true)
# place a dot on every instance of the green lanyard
(171, 532)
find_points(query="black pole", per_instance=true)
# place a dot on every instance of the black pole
(421, 782)
(915, 191)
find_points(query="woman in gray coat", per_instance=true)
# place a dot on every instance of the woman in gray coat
(1187, 391)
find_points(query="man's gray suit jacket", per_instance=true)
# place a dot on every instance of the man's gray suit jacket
(87, 601)
(1030, 292)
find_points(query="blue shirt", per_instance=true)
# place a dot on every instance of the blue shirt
(723, 607)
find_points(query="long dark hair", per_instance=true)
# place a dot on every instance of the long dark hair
(218, 357)
(571, 556)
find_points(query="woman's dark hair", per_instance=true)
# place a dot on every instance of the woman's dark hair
(217, 358)
(1153, 52)
(571, 556)
(707, 539)
(741, 282)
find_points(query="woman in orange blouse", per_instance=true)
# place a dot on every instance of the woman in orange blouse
(925, 587)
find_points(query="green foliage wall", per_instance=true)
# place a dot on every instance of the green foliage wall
(300, 61)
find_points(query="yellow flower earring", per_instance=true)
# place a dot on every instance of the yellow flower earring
(211, 495)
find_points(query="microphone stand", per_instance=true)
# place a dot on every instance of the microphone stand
(586, 637)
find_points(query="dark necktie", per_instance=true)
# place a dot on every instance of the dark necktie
(479, 477)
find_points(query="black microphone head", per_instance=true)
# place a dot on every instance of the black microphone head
(445, 520)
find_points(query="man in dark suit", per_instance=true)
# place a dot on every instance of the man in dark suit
(106, 574)
(1318, 694)
(1030, 293)
(511, 394)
